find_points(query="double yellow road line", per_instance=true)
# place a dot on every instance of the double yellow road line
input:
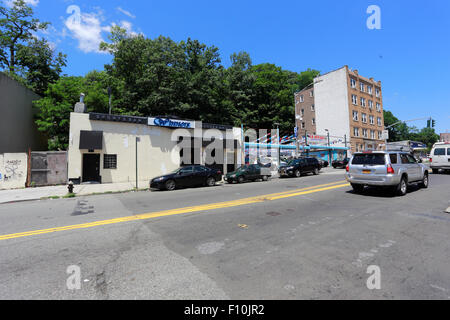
(173, 212)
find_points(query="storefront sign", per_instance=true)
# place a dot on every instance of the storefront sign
(171, 123)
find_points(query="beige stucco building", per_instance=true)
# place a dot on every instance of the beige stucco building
(109, 148)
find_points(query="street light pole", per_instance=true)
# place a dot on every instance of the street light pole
(329, 151)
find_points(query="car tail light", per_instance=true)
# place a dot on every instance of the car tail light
(347, 168)
(219, 172)
(390, 170)
(431, 159)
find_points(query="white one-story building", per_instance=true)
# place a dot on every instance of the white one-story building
(111, 148)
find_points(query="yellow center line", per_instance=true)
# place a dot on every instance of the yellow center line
(179, 211)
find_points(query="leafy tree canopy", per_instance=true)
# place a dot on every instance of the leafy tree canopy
(23, 55)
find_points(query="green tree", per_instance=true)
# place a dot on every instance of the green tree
(239, 83)
(17, 27)
(23, 56)
(53, 111)
(305, 79)
(399, 132)
(427, 136)
(53, 116)
(162, 77)
(40, 66)
(402, 132)
(272, 99)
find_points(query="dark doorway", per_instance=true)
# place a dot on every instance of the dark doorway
(91, 168)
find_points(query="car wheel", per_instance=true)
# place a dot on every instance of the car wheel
(241, 180)
(316, 172)
(170, 185)
(210, 182)
(402, 188)
(265, 178)
(298, 174)
(358, 188)
(425, 181)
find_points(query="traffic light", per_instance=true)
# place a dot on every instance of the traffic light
(429, 123)
(433, 123)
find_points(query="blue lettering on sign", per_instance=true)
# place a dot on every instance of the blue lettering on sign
(170, 123)
(0, 177)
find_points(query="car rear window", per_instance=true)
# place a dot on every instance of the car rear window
(439, 152)
(369, 159)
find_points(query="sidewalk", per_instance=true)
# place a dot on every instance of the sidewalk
(8, 196)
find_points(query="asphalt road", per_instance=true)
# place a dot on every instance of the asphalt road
(307, 238)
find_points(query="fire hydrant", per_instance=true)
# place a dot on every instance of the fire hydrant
(70, 187)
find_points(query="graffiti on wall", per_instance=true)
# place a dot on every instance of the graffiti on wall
(13, 170)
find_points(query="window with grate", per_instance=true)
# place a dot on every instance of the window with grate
(110, 161)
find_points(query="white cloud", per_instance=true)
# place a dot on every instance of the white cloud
(32, 3)
(87, 29)
(127, 13)
(129, 27)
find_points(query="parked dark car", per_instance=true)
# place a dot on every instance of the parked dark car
(341, 164)
(248, 173)
(191, 176)
(299, 167)
(323, 163)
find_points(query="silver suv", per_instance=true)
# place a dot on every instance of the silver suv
(392, 169)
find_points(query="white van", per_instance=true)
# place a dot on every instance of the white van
(440, 157)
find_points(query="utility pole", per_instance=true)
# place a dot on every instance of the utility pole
(306, 143)
(346, 151)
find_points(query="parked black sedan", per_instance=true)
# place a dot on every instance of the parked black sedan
(191, 176)
(341, 164)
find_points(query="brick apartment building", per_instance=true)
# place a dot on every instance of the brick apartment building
(345, 104)
(445, 137)
(305, 108)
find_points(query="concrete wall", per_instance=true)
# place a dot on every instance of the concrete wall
(13, 170)
(331, 102)
(49, 168)
(155, 150)
(18, 132)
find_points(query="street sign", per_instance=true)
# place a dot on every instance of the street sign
(296, 132)
(386, 135)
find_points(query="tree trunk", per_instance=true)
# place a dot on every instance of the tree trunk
(12, 60)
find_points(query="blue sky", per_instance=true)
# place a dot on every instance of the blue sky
(410, 54)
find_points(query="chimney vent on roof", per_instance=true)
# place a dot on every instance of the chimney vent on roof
(80, 107)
